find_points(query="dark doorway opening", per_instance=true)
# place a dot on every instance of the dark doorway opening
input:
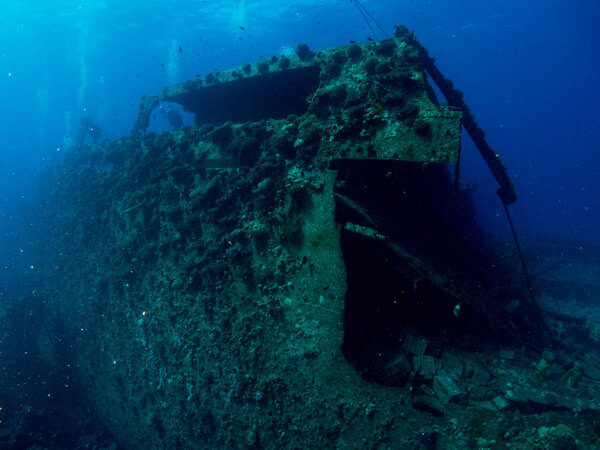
(413, 255)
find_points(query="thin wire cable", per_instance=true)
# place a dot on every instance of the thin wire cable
(371, 17)
(365, 18)
(523, 264)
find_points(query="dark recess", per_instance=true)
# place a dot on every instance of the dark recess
(268, 96)
(415, 207)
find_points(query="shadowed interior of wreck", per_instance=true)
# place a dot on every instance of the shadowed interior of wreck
(415, 259)
(268, 96)
(415, 211)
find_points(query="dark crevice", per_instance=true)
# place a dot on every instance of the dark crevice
(416, 265)
(272, 95)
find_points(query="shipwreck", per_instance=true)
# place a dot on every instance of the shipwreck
(294, 269)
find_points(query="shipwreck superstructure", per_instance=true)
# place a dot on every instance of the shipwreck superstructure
(357, 94)
(278, 274)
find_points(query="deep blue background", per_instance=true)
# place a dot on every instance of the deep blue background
(530, 72)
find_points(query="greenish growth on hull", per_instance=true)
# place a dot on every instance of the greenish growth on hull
(296, 281)
(366, 100)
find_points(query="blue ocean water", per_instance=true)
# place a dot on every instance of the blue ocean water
(530, 72)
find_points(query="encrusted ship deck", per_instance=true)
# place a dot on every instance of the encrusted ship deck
(360, 101)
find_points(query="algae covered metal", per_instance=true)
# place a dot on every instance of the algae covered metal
(269, 276)
(360, 101)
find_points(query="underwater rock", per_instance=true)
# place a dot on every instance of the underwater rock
(428, 403)
(395, 372)
(447, 390)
